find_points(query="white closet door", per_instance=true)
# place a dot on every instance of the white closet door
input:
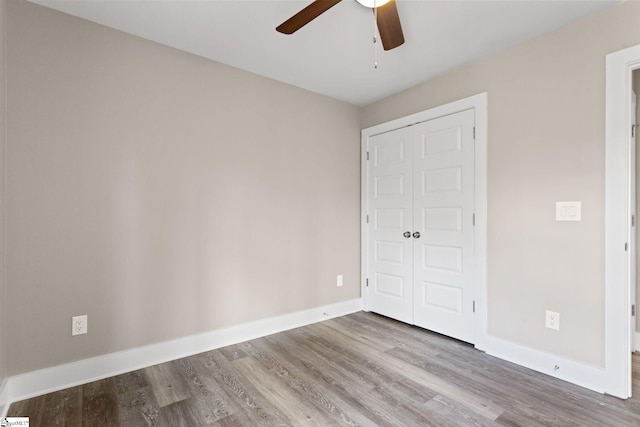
(443, 215)
(390, 200)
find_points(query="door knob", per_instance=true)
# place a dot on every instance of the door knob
(416, 234)
(407, 234)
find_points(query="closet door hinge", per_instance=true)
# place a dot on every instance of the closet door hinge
(633, 220)
(473, 219)
(626, 246)
(474, 306)
(633, 130)
(367, 155)
(367, 282)
(474, 133)
(633, 309)
(367, 219)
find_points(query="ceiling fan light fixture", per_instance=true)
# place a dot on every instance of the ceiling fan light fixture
(385, 15)
(372, 3)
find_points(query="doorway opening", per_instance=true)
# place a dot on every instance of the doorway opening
(620, 210)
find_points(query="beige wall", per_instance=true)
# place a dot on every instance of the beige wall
(545, 144)
(163, 194)
(3, 127)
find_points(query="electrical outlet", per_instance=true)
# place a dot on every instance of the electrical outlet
(339, 280)
(79, 325)
(552, 320)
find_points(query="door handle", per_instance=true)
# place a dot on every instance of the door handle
(416, 235)
(407, 234)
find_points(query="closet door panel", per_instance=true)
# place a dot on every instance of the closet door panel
(391, 216)
(443, 213)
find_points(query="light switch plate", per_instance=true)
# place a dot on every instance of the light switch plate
(568, 211)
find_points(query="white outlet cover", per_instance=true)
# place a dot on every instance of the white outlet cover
(552, 320)
(79, 325)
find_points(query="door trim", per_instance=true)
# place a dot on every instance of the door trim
(479, 104)
(619, 68)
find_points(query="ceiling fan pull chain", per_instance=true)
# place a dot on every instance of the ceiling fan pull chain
(375, 38)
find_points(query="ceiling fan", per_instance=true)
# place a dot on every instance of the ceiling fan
(388, 20)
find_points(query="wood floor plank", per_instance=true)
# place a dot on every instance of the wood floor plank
(238, 419)
(33, 408)
(511, 419)
(130, 381)
(20, 408)
(385, 384)
(100, 404)
(299, 411)
(354, 378)
(446, 412)
(383, 333)
(249, 400)
(211, 403)
(489, 387)
(432, 381)
(138, 407)
(363, 341)
(167, 383)
(183, 413)
(64, 408)
(234, 352)
(346, 387)
(407, 333)
(399, 411)
(321, 385)
(331, 351)
(345, 391)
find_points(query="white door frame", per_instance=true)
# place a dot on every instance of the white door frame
(479, 104)
(620, 66)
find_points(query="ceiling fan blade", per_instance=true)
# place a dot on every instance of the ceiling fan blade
(389, 26)
(306, 15)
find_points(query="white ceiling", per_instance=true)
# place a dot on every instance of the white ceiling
(334, 54)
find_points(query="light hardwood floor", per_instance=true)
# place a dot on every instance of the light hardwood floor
(361, 369)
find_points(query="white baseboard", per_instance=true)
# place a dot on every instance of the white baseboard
(47, 380)
(587, 376)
